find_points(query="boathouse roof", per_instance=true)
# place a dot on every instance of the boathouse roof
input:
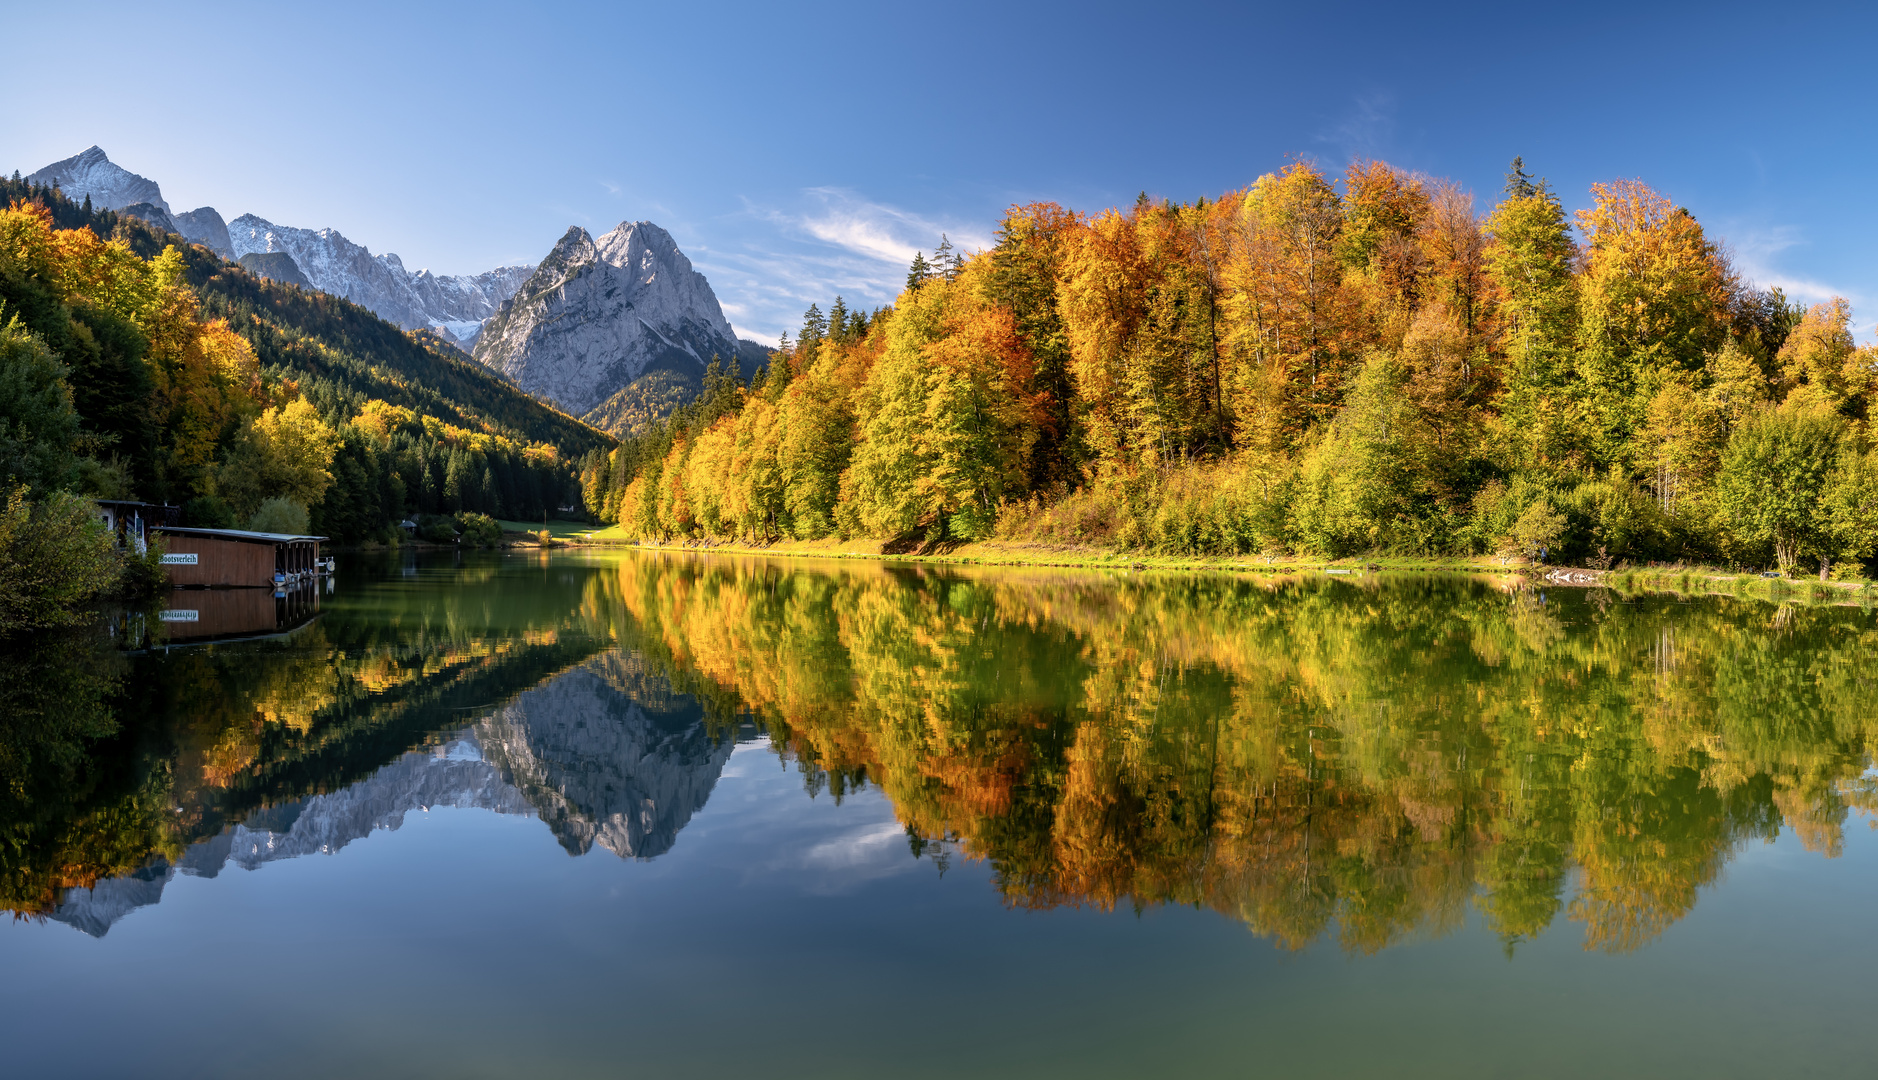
(237, 534)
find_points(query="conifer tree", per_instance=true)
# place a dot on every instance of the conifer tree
(1519, 183)
(814, 326)
(838, 320)
(1530, 262)
(918, 273)
(946, 261)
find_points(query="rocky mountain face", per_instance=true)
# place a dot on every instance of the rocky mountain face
(204, 226)
(456, 306)
(275, 266)
(603, 754)
(380, 282)
(199, 226)
(109, 186)
(598, 315)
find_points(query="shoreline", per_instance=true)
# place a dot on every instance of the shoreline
(1676, 580)
(1010, 553)
(1673, 580)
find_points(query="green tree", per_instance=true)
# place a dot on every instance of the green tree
(38, 425)
(919, 273)
(1530, 264)
(1773, 478)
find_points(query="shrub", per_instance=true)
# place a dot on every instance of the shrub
(54, 556)
(143, 575)
(480, 530)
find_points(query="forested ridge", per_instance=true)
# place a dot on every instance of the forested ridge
(163, 373)
(1313, 364)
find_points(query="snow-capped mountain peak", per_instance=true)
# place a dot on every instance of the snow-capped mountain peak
(110, 186)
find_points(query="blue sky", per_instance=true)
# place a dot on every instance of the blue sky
(798, 151)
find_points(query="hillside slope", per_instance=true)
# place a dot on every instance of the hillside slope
(340, 352)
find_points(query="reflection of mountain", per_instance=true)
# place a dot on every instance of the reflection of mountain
(624, 771)
(450, 775)
(600, 753)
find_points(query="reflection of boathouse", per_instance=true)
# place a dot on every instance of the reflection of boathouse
(235, 558)
(195, 616)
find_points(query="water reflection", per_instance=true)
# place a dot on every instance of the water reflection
(1364, 761)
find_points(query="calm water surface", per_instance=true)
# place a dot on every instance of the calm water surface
(669, 816)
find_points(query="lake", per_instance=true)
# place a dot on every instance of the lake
(671, 815)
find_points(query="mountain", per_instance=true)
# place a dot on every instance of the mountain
(340, 353)
(339, 350)
(199, 226)
(596, 316)
(274, 266)
(342, 268)
(110, 187)
(204, 226)
(330, 262)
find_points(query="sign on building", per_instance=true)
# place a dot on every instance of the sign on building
(180, 560)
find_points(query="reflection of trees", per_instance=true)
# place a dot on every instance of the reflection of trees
(68, 816)
(1293, 753)
(109, 760)
(1297, 754)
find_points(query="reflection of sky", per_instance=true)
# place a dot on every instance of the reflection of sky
(789, 936)
(778, 836)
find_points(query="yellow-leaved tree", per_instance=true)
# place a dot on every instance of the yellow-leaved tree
(287, 451)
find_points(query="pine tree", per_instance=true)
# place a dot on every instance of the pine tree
(814, 326)
(1519, 183)
(838, 320)
(946, 261)
(919, 273)
(1531, 263)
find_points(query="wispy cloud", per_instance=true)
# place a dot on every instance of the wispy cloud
(1366, 129)
(1757, 257)
(833, 242)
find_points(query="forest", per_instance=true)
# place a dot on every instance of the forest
(135, 366)
(1313, 365)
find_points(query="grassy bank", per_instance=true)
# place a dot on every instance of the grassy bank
(1669, 580)
(1009, 553)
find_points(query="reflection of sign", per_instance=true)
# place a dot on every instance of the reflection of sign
(180, 560)
(177, 615)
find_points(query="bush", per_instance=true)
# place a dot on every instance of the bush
(279, 515)
(143, 575)
(54, 556)
(480, 530)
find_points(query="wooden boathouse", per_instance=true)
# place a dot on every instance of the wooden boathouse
(237, 558)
